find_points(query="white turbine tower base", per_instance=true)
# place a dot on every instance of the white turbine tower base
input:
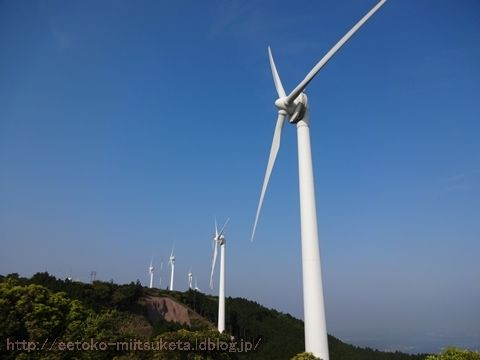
(295, 108)
(221, 290)
(172, 275)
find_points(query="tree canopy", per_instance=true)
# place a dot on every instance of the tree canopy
(455, 354)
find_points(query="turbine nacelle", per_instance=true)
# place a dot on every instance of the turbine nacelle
(219, 239)
(296, 111)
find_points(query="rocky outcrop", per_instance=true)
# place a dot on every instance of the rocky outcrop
(161, 307)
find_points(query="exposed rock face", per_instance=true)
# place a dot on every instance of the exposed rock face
(166, 308)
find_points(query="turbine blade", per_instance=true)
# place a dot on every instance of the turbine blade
(271, 161)
(214, 259)
(300, 87)
(216, 227)
(276, 77)
(223, 227)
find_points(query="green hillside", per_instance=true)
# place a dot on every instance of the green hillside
(51, 314)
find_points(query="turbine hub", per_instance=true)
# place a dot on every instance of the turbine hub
(296, 110)
(281, 104)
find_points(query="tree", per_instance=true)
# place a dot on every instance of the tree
(33, 313)
(455, 354)
(195, 345)
(305, 356)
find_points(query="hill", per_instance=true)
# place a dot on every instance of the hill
(43, 308)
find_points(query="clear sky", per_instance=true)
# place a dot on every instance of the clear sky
(126, 126)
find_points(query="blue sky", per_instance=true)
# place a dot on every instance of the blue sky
(127, 126)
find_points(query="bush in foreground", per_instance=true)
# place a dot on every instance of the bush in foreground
(305, 356)
(455, 354)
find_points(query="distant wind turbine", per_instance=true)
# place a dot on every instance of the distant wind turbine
(219, 240)
(150, 271)
(190, 279)
(171, 262)
(295, 108)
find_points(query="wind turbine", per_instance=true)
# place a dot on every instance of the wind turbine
(219, 240)
(171, 261)
(150, 271)
(190, 279)
(295, 107)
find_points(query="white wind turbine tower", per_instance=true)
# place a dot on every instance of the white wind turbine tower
(150, 271)
(295, 108)
(219, 240)
(171, 261)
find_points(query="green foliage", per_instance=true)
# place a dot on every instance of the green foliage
(35, 314)
(98, 296)
(455, 354)
(305, 356)
(339, 351)
(278, 335)
(201, 345)
(164, 326)
(126, 297)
